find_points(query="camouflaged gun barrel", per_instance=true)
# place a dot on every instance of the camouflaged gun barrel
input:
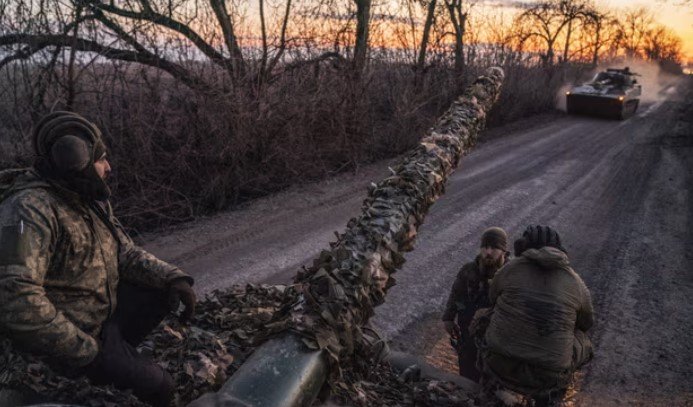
(346, 282)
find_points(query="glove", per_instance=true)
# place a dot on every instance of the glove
(180, 291)
(452, 329)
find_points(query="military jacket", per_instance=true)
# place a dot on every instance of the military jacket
(469, 293)
(539, 303)
(60, 263)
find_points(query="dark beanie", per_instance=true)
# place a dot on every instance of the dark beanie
(58, 124)
(495, 237)
(66, 146)
(536, 237)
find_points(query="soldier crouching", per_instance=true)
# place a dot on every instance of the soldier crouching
(74, 288)
(470, 293)
(536, 337)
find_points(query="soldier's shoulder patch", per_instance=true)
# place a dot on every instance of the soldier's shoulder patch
(15, 243)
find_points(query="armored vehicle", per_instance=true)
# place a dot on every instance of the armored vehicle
(614, 93)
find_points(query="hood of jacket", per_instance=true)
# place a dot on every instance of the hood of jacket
(18, 179)
(548, 258)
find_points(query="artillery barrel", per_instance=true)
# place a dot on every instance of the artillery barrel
(348, 280)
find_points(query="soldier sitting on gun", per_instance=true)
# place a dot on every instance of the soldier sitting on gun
(470, 293)
(74, 288)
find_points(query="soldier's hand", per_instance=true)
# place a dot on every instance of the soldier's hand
(452, 329)
(181, 291)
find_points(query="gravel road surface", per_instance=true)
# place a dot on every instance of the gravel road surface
(619, 193)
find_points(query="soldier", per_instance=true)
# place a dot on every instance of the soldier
(74, 288)
(470, 293)
(542, 308)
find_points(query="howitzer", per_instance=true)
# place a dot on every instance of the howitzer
(328, 326)
(347, 281)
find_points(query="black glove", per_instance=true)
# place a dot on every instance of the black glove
(181, 291)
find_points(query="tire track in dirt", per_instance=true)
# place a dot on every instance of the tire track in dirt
(607, 218)
(596, 181)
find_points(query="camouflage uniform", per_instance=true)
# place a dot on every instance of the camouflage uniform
(469, 293)
(61, 260)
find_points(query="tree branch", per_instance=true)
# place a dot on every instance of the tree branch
(150, 15)
(81, 44)
(24, 53)
(282, 39)
(224, 19)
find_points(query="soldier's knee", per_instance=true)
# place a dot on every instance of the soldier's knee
(167, 389)
(582, 349)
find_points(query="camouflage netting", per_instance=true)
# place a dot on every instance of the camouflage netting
(330, 304)
(346, 282)
(385, 387)
(226, 328)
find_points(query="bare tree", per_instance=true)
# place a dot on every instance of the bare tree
(574, 12)
(458, 18)
(547, 20)
(636, 25)
(661, 44)
(137, 32)
(428, 23)
(604, 30)
(363, 16)
(267, 65)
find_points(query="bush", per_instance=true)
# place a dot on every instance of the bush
(177, 154)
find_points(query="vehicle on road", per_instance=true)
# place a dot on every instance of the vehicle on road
(614, 94)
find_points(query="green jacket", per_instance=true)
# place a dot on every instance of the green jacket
(539, 303)
(60, 263)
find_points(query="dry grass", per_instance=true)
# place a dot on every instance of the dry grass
(178, 154)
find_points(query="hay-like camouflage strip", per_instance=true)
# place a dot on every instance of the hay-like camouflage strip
(341, 288)
(347, 281)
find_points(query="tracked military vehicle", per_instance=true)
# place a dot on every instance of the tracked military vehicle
(614, 94)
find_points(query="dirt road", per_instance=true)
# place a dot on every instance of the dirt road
(618, 192)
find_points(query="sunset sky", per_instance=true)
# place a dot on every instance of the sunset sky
(671, 13)
(674, 14)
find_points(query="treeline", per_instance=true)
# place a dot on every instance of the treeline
(206, 103)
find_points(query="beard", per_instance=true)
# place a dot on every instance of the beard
(87, 183)
(490, 264)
